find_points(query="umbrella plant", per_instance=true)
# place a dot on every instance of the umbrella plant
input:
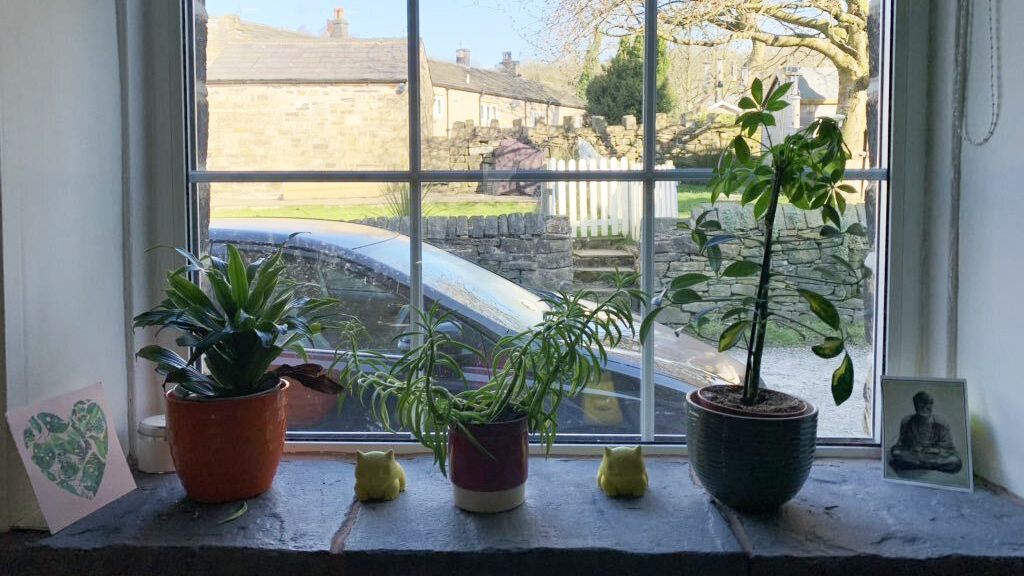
(806, 169)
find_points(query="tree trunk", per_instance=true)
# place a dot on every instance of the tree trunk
(852, 103)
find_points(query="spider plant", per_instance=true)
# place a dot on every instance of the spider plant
(252, 316)
(531, 372)
(807, 169)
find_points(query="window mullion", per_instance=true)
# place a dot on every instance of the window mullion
(415, 159)
(647, 272)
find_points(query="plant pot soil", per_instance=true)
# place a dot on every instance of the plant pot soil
(494, 481)
(227, 449)
(753, 461)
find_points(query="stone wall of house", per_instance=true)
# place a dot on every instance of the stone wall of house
(306, 127)
(529, 249)
(800, 252)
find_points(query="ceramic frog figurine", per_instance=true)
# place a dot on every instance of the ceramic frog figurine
(378, 476)
(622, 472)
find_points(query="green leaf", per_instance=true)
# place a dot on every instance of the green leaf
(687, 280)
(757, 90)
(821, 307)
(747, 104)
(779, 92)
(720, 239)
(830, 348)
(829, 213)
(741, 269)
(762, 205)
(731, 335)
(237, 277)
(842, 381)
(734, 312)
(739, 144)
(236, 514)
(775, 105)
(648, 322)
(828, 231)
(685, 296)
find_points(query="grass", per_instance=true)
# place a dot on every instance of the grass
(360, 211)
(691, 196)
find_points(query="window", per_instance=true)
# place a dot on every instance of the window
(488, 113)
(409, 204)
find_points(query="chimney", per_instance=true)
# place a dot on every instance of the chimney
(338, 27)
(462, 56)
(509, 65)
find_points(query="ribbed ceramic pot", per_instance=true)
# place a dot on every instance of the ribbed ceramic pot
(750, 463)
(494, 481)
(227, 449)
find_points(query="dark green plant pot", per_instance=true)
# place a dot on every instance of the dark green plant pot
(751, 463)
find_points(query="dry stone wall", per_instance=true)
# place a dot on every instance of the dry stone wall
(530, 249)
(800, 253)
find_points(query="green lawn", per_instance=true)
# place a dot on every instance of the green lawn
(360, 211)
(691, 196)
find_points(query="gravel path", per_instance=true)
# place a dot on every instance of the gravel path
(796, 370)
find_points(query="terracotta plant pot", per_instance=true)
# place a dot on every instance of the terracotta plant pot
(227, 449)
(751, 463)
(495, 481)
(307, 407)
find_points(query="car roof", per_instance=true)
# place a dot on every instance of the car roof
(483, 296)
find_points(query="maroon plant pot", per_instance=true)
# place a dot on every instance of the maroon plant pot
(494, 481)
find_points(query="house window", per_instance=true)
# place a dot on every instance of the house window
(297, 131)
(488, 113)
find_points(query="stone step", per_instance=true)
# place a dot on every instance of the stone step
(599, 242)
(598, 275)
(585, 257)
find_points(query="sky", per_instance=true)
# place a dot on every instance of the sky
(486, 27)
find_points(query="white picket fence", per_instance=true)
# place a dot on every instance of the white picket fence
(606, 208)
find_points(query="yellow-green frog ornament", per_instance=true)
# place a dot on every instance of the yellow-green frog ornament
(622, 472)
(378, 476)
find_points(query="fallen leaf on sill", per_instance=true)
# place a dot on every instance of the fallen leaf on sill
(238, 514)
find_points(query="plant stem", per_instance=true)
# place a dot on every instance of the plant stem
(752, 377)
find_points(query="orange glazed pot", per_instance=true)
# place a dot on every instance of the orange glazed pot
(227, 449)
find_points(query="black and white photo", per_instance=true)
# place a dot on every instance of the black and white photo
(925, 433)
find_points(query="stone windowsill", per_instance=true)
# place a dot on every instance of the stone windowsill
(845, 521)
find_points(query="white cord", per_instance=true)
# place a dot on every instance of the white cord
(963, 47)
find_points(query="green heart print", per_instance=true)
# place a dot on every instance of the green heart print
(71, 453)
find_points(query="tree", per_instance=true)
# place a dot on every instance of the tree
(836, 29)
(618, 90)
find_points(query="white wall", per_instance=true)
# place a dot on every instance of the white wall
(61, 201)
(991, 315)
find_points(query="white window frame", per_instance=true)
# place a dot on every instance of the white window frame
(488, 112)
(898, 340)
(438, 106)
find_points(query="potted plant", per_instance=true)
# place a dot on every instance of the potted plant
(478, 435)
(226, 425)
(752, 447)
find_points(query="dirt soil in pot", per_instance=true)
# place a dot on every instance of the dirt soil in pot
(768, 403)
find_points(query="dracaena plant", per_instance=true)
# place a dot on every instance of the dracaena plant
(251, 317)
(530, 373)
(806, 169)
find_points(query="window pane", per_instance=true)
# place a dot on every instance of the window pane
(504, 99)
(838, 266)
(300, 86)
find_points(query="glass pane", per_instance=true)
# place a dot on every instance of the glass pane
(835, 67)
(500, 97)
(343, 253)
(839, 266)
(302, 86)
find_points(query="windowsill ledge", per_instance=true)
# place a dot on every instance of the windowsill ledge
(845, 521)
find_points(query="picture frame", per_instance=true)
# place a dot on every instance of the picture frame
(926, 437)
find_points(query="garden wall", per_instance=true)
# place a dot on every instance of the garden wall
(800, 252)
(529, 249)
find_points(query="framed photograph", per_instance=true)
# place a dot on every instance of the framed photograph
(926, 439)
